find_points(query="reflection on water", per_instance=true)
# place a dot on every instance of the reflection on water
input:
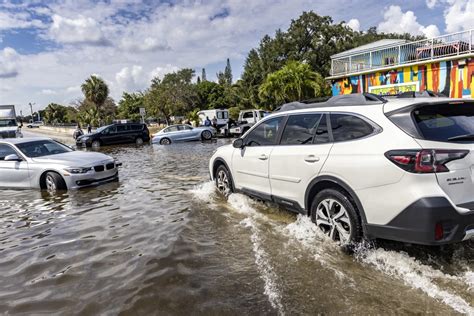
(161, 241)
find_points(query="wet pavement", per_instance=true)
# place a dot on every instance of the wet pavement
(162, 241)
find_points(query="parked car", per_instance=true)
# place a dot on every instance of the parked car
(115, 134)
(363, 167)
(36, 124)
(183, 133)
(47, 164)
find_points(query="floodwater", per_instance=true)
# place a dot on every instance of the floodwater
(161, 241)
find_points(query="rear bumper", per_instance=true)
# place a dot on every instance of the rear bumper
(417, 223)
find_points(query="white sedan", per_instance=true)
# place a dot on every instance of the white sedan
(47, 164)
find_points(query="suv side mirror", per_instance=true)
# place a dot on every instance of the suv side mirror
(12, 157)
(238, 143)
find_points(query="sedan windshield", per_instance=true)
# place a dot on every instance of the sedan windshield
(40, 148)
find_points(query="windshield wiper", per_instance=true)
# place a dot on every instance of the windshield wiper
(462, 137)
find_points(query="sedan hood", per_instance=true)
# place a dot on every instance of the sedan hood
(74, 158)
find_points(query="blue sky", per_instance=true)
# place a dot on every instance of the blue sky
(48, 48)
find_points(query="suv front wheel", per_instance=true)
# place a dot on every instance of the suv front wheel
(224, 181)
(334, 213)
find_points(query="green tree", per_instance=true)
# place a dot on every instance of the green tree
(294, 82)
(95, 91)
(54, 113)
(174, 95)
(129, 106)
(228, 73)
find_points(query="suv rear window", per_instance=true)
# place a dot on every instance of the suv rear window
(445, 122)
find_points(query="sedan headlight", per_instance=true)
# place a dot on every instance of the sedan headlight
(78, 170)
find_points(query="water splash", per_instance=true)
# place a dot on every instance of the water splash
(414, 274)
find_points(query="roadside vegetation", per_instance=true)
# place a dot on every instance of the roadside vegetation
(290, 66)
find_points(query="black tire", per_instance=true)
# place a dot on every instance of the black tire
(139, 141)
(347, 229)
(53, 182)
(96, 144)
(165, 141)
(206, 135)
(223, 181)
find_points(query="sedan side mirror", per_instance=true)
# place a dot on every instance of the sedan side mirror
(12, 157)
(238, 143)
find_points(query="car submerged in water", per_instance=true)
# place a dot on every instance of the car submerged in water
(183, 133)
(43, 163)
(115, 134)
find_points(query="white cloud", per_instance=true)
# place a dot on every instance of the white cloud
(81, 30)
(431, 3)
(9, 62)
(18, 20)
(354, 24)
(130, 78)
(459, 15)
(395, 21)
(48, 92)
(73, 89)
(161, 71)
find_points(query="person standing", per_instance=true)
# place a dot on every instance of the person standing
(207, 122)
(89, 129)
(78, 132)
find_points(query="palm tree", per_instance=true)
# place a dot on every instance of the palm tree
(294, 82)
(95, 91)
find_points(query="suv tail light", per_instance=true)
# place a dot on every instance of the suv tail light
(425, 160)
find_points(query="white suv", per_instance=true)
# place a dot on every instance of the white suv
(362, 166)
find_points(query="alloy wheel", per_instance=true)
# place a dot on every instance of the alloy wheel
(50, 183)
(206, 135)
(333, 219)
(165, 141)
(223, 184)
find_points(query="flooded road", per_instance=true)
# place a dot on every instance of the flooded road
(161, 241)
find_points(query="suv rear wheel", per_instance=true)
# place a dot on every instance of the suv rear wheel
(224, 181)
(139, 141)
(334, 213)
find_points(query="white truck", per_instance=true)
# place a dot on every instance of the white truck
(247, 118)
(8, 126)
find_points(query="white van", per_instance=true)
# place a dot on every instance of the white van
(222, 116)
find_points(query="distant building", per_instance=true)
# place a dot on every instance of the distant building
(443, 64)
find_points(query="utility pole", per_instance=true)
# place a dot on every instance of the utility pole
(31, 109)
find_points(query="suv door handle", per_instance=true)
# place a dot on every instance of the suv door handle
(263, 157)
(311, 158)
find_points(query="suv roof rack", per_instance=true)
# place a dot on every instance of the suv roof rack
(339, 100)
(420, 94)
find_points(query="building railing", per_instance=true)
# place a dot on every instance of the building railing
(460, 43)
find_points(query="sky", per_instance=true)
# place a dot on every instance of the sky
(48, 48)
